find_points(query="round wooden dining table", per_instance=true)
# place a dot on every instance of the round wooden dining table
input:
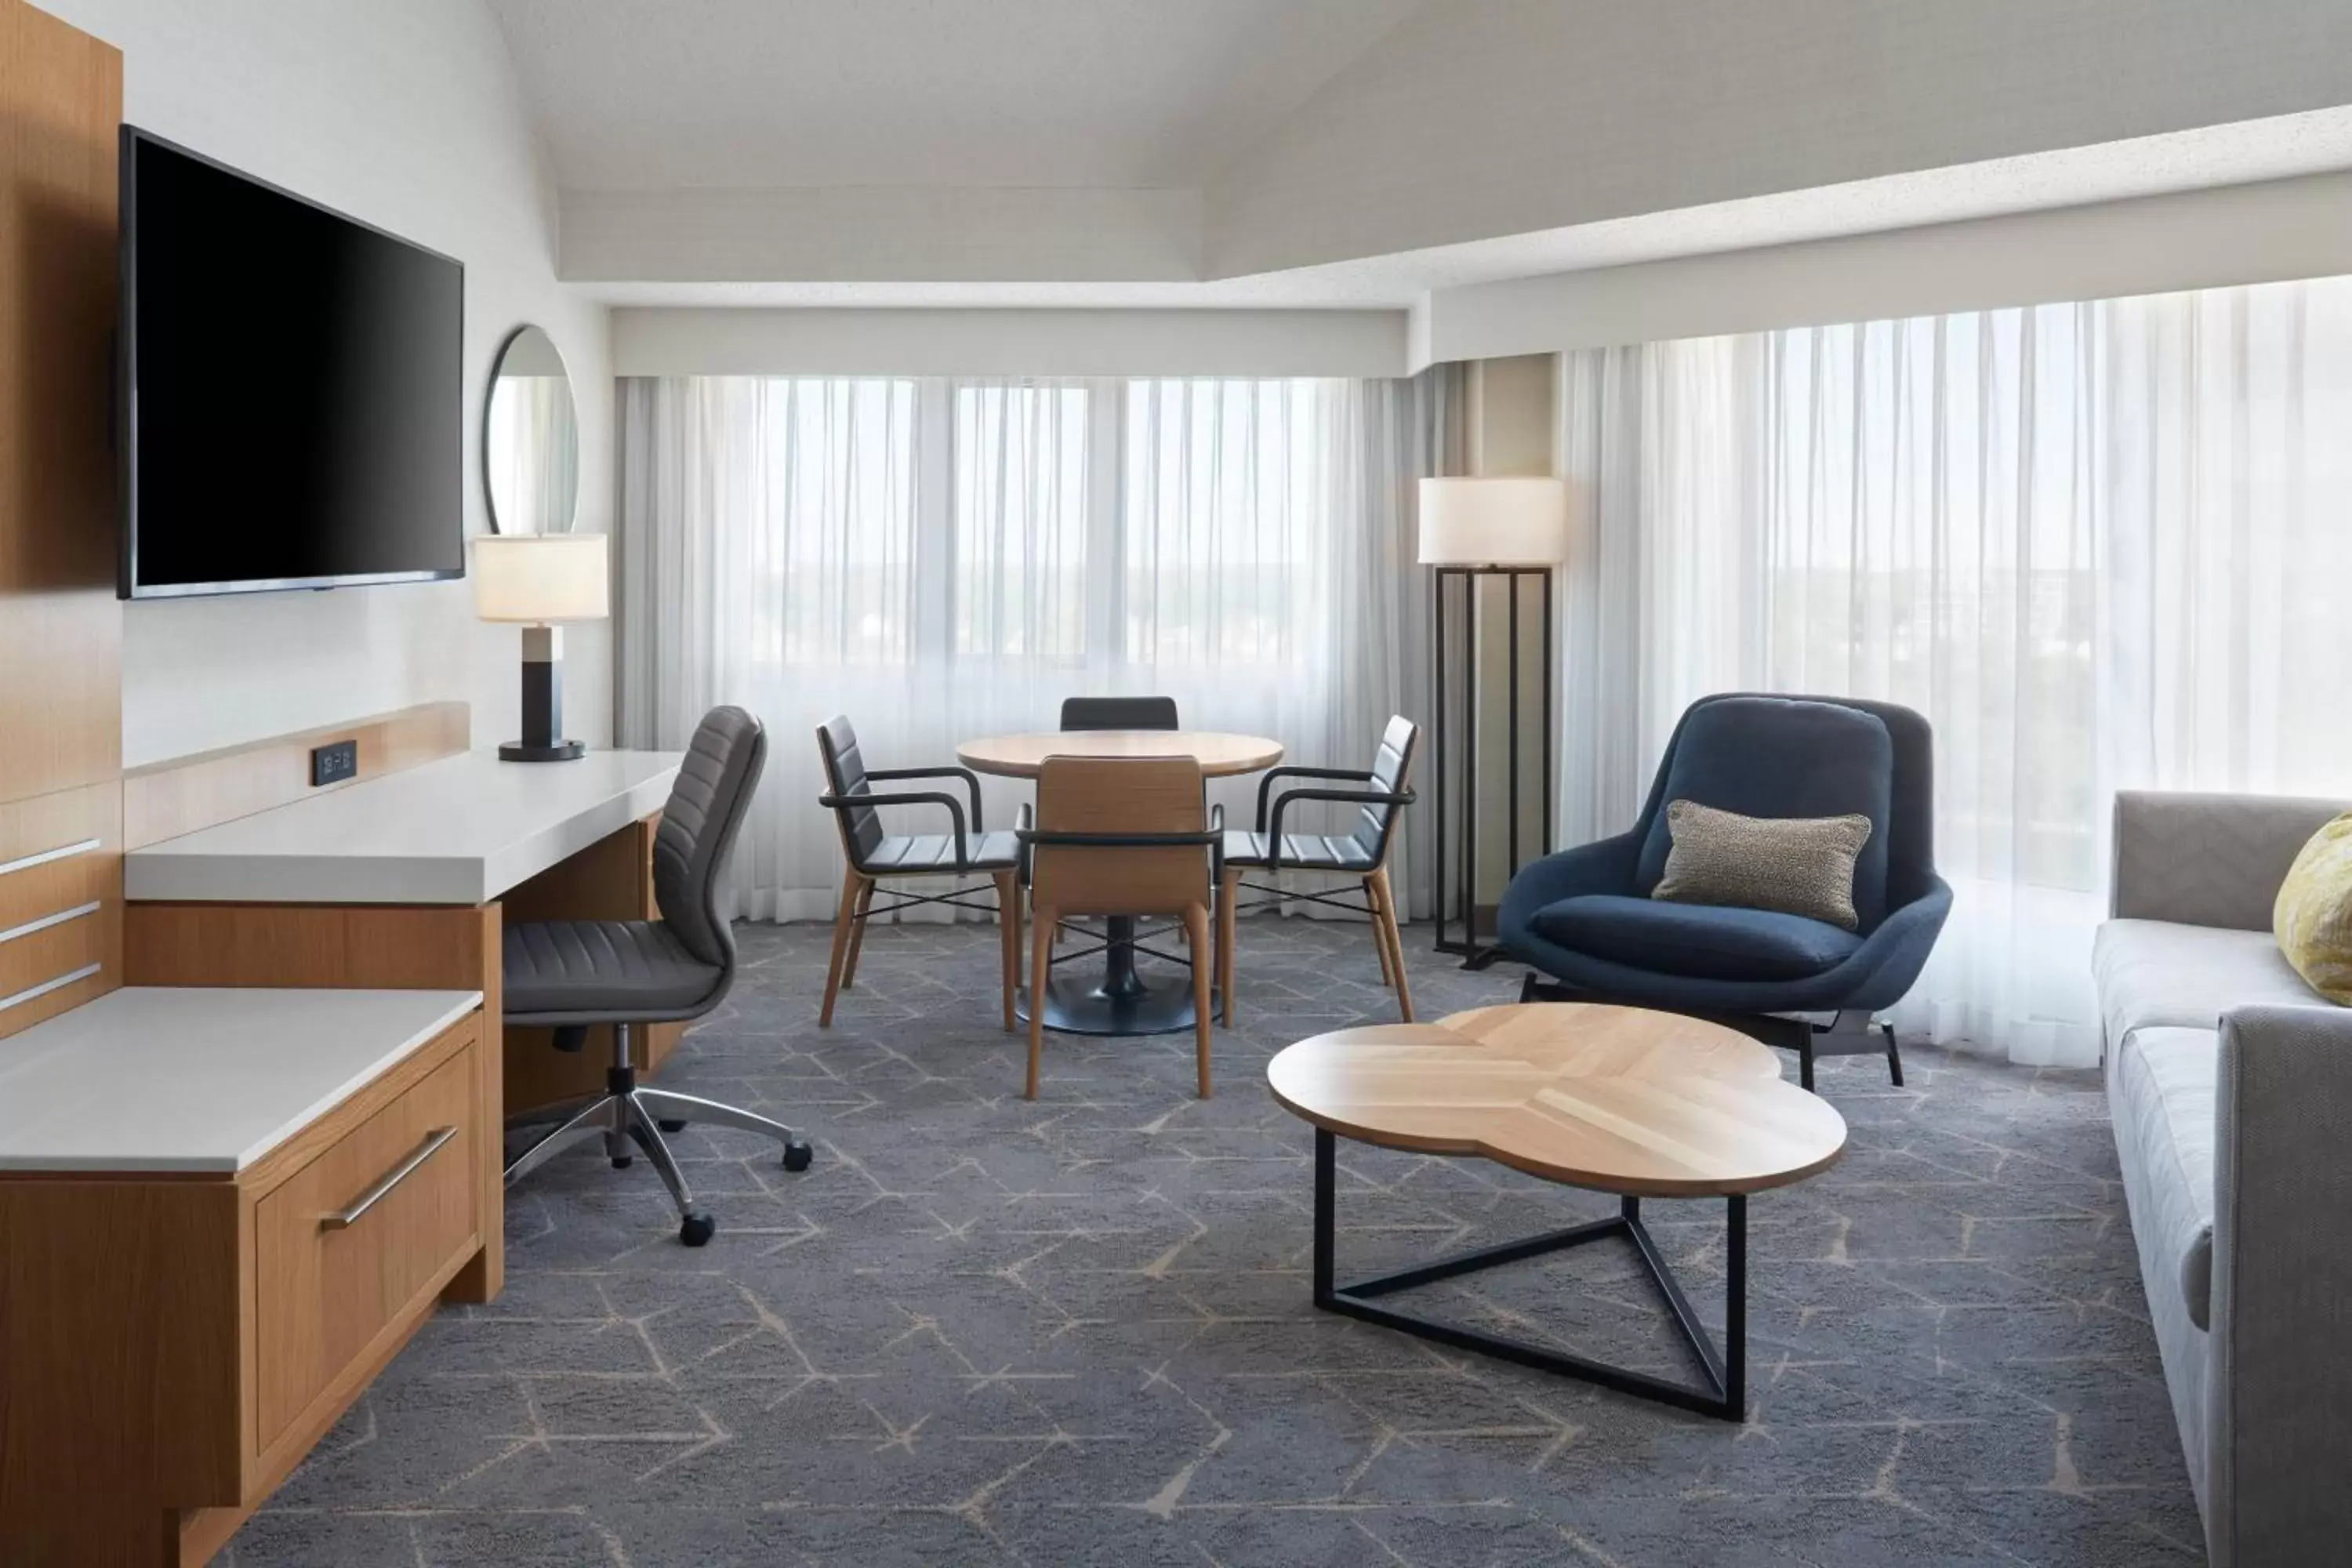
(1123, 1002)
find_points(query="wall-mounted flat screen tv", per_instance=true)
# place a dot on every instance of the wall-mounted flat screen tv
(292, 389)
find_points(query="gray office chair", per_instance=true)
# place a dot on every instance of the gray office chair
(1119, 713)
(572, 974)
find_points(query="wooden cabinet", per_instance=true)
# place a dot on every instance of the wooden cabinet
(172, 1343)
(353, 1241)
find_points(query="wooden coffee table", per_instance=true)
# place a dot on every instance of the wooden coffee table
(1618, 1100)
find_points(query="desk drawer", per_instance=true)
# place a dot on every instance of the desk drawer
(352, 1241)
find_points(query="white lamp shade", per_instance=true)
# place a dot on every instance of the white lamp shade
(540, 578)
(1493, 522)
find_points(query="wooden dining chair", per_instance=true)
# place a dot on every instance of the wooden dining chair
(1121, 836)
(1380, 793)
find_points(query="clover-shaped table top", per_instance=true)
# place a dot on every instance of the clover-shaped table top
(1624, 1100)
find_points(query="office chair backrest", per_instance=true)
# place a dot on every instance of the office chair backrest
(698, 829)
(845, 773)
(1115, 796)
(1119, 713)
(1392, 766)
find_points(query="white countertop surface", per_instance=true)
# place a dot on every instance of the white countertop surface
(203, 1080)
(461, 830)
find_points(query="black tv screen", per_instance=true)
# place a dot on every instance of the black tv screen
(292, 389)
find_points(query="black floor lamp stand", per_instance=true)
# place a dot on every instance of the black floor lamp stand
(1457, 774)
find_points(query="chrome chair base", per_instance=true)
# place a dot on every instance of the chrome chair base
(625, 1115)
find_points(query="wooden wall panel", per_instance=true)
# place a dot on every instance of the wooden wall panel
(183, 794)
(60, 627)
(52, 888)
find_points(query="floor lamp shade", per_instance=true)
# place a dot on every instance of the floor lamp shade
(1493, 522)
(541, 580)
(1510, 532)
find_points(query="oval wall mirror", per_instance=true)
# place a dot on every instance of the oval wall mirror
(530, 437)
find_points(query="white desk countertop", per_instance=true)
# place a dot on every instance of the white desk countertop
(199, 1080)
(461, 830)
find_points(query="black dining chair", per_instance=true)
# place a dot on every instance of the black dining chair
(967, 849)
(1382, 793)
(1119, 713)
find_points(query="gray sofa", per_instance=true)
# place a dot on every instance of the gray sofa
(2230, 1085)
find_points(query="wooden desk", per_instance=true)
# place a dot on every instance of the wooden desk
(405, 880)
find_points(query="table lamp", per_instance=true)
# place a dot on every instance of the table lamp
(1511, 528)
(538, 580)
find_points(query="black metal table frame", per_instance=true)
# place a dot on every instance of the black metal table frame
(1724, 1396)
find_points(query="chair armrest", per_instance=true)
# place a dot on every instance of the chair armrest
(918, 797)
(1360, 796)
(2207, 859)
(2279, 1417)
(1603, 866)
(971, 784)
(1290, 771)
(1879, 972)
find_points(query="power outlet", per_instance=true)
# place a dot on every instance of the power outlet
(335, 762)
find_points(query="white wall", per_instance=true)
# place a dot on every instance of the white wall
(2245, 233)
(753, 342)
(404, 114)
(1479, 118)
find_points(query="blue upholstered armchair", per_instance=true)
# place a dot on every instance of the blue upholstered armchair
(1584, 917)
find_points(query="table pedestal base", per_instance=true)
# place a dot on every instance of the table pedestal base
(1121, 1002)
(1725, 1394)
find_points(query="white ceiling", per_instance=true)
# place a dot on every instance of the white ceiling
(2279, 148)
(737, 93)
(1089, 153)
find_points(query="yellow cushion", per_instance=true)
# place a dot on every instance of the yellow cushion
(2313, 917)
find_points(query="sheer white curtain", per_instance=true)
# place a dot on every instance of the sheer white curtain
(2099, 545)
(944, 559)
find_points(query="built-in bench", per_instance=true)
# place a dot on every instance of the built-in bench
(221, 1211)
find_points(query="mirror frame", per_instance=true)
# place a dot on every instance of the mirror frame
(490, 396)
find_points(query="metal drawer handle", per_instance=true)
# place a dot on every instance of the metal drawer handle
(344, 1219)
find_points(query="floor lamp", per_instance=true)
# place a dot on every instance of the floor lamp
(1473, 530)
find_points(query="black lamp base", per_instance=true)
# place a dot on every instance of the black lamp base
(560, 751)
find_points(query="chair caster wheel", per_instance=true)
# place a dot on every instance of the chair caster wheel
(672, 1124)
(697, 1228)
(623, 1162)
(797, 1155)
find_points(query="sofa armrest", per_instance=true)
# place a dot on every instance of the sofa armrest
(2279, 1412)
(1604, 866)
(2207, 859)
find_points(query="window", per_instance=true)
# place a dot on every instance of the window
(1227, 521)
(829, 475)
(1020, 513)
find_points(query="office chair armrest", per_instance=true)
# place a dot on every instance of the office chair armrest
(917, 797)
(971, 784)
(1265, 784)
(1358, 797)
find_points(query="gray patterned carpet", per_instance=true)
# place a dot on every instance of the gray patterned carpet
(983, 1331)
